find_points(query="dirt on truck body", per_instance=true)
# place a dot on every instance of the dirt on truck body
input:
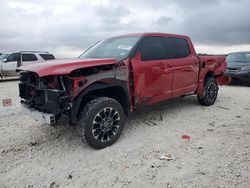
(115, 77)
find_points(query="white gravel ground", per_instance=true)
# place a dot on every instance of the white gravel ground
(218, 154)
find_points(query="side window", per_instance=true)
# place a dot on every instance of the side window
(177, 47)
(153, 49)
(29, 57)
(13, 57)
(47, 56)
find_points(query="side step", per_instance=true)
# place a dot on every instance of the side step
(188, 94)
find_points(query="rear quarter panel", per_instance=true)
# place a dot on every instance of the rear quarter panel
(215, 65)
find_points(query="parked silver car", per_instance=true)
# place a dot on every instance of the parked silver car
(10, 62)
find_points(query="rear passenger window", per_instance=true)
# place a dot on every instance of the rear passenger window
(177, 47)
(29, 57)
(153, 49)
(47, 56)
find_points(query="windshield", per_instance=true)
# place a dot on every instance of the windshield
(118, 47)
(3, 56)
(242, 57)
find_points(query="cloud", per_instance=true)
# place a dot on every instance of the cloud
(68, 27)
(164, 21)
(220, 23)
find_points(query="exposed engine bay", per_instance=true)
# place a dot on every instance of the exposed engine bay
(55, 94)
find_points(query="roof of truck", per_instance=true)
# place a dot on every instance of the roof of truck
(153, 33)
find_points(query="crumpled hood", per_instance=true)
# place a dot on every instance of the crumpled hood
(64, 66)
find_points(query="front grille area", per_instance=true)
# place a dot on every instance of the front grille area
(28, 84)
(44, 99)
(29, 78)
(25, 91)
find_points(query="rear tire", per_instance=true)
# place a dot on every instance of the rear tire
(102, 121)
(210, 92)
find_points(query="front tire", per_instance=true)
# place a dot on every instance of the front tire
(102, 121)
(210, 92)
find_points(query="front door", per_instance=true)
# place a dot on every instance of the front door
(152, 72)
(9, 66)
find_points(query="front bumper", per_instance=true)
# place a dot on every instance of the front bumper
(45, 100)
(242, 76)
(44, 105)
(43, 118)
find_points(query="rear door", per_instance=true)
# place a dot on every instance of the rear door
(9, 66)
(28, 58)
(185, 66)
(152, 72)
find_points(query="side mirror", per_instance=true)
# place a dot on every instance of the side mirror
(5, 60)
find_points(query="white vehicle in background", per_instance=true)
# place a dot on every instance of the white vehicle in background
(10, 62)
(2, 56)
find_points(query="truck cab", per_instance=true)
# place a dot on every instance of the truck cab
(164, 67)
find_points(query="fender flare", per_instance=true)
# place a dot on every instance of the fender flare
(95, 86)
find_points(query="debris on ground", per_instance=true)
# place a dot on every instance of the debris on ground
(34, 143)
(222, 107)
(152, 122)
(167, 157)
(149, 123)
(212, 124)
(53, 185)
(70, 176)
(125, 167)
(201, 171)
(7, 102)
(186, 137)
(168, 185)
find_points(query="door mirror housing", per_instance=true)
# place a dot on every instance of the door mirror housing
(5, 60)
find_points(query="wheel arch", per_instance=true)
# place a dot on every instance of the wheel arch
(116, 91)
(208, 75)
(202, 82)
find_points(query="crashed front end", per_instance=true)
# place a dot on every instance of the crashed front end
(49, 96)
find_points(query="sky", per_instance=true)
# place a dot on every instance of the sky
(67, 28)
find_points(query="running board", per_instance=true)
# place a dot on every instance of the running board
(188, 94)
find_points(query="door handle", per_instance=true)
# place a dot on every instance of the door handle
(168, 69)
(168, 66)
(156, 70)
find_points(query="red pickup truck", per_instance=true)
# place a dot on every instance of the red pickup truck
(115, 77)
